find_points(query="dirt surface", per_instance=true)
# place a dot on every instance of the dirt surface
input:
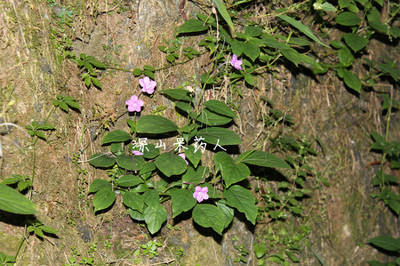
(127, 34)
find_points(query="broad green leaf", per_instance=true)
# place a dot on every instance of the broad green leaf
(260, 250)
(328, 7)
(195, 176)
(386, 242)
(150, 151)
(98, 184)
(116, 136)
(100, 160)
(129, 181)
(14, 202)
(178, 94)
(231, 172)
(242, 199)
(207, 215)
(253, 31)
(48, 230)
(355, 42)
(263, 159)
(155, 216)
(303, 28)
(251, 50)
(212, 119)
(238, 47)
(227, 211)
(182, 201)
(348, 19)
(154, 124)
(147, 167)
(96, 83)
(103, 199)
(135, 215)
(186, 107)
(170, 164)
(394, 205)
(345, 56)
(126, 162)
(151, 197)
(224, 13)
(193, 156)
(133, 201)
(222, 136)
(219, 108)
(192, 25)
(352, 80)
(117, 148)
(390, 69)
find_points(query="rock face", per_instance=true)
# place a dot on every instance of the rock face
(202, 246)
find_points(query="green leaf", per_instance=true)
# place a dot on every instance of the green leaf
(242, 199)
(154, 124)
(155, 216)
(73, 104)
(328, 7)
(133, 201)
(193, 156)
(178, 94)
(186, 107)
(303, 28)
(352, 80)
(129, 181)
(192, 25)
(48, 229)
(135, 215)
(98, 184)
(231, 172)
(263, 159)
(253, 31)
(238, 47)
(182, 201)
(137, 72)
(126, 162)
(14, 202)
(96, 83)
(345, 56)
(150, 151)
(260, 250)
(103, 199)
(100, 160)
(355, 42)
(207, 215)
(252, 50)
(213, 119)
(222, 136)
(170, 164)
(386, 242)
(195, 175)
(348, 19)
(116, 136)
(219, 108)
(227, 211)
(147, 167)
(45, 127)
(224, 13)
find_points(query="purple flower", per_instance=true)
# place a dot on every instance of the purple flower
(201, 194)
(147, 84)
(134, 104)
(137, 152)
(236, 63)
(183, 156)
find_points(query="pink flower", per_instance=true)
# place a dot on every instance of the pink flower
(147, 84)
(183, 156)
(134, 104)
(201, 194)
(236, 63)
(137, 152)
